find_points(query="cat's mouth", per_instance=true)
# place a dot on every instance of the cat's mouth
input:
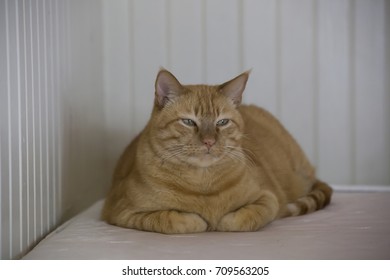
(196, 156)
(205, 158)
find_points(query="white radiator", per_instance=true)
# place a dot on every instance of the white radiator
(52, 142)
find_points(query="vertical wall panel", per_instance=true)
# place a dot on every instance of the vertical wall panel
(34, 107)
(223, 40)
(37, 37)
(52, 118)
(185, 53)
(63, 66)
(30, 219)
(334, 109)
(260, 52)
(23, 165)
(14, 125)
(84, 143)
(119, 80)
(298, 89)
(43, 113)
(149, 53)
(46, 144)
(55, 108)
(372, 111)
(4, 172)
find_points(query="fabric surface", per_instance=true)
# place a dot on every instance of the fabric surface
(353, 226)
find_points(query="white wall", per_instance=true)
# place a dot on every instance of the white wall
(52, 142)
(321, 66)
(77, 77)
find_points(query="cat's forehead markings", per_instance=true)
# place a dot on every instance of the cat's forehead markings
(209, 114)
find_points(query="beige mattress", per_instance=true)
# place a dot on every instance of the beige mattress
(356, 225)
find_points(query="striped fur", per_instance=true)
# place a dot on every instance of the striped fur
(316, 199)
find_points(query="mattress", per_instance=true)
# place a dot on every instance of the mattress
(355, 225)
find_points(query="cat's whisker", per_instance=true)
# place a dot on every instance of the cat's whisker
(246, 151)
(236, 157)
(240, 157)
(171, 152)
(239, 154)
(249, 154)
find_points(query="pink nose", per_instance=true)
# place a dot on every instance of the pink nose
(209, 142)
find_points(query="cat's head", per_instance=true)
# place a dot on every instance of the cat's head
(198, 125)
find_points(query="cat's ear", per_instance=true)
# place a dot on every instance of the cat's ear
(167, 88)
(234, 88)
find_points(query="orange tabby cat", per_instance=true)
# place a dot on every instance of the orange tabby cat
(205, 163)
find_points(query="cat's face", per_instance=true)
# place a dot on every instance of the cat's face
(198, 125)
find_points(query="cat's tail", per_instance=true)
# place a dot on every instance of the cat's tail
(316, 199)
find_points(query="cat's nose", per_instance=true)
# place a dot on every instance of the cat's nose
(209, 142)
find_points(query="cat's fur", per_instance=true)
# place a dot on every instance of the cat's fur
(204, 162)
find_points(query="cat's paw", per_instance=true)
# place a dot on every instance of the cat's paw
(248, 218)
(251, 217)
(235, 222)
(185, 223)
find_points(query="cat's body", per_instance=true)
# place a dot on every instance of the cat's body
(204, 162)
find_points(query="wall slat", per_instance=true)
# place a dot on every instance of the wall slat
(372, 112)
(185, 40)
(14, 126)
(4, 170)
(223, 40)
(52, 115)
(27, 18)
(260, 52)
(334, 114)
(298, 89)
(149, 53)
(23, 126)
(118, 78)
(38, 92)
(84, 142)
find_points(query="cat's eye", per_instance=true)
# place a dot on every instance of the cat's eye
(188, 122)
(222, 122)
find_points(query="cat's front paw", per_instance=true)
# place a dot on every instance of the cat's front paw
(185, 223)
(235, 222)
(248, 218)
(251, 217)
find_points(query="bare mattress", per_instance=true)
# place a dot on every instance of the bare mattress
(356, 225)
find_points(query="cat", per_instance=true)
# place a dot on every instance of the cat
(204, 162)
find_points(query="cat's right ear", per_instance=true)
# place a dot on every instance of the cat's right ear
(167, 88)
(234, 88)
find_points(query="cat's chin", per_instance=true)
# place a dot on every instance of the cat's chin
(204, 161)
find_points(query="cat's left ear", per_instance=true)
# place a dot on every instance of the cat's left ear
(167, 88)
(234, 88)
